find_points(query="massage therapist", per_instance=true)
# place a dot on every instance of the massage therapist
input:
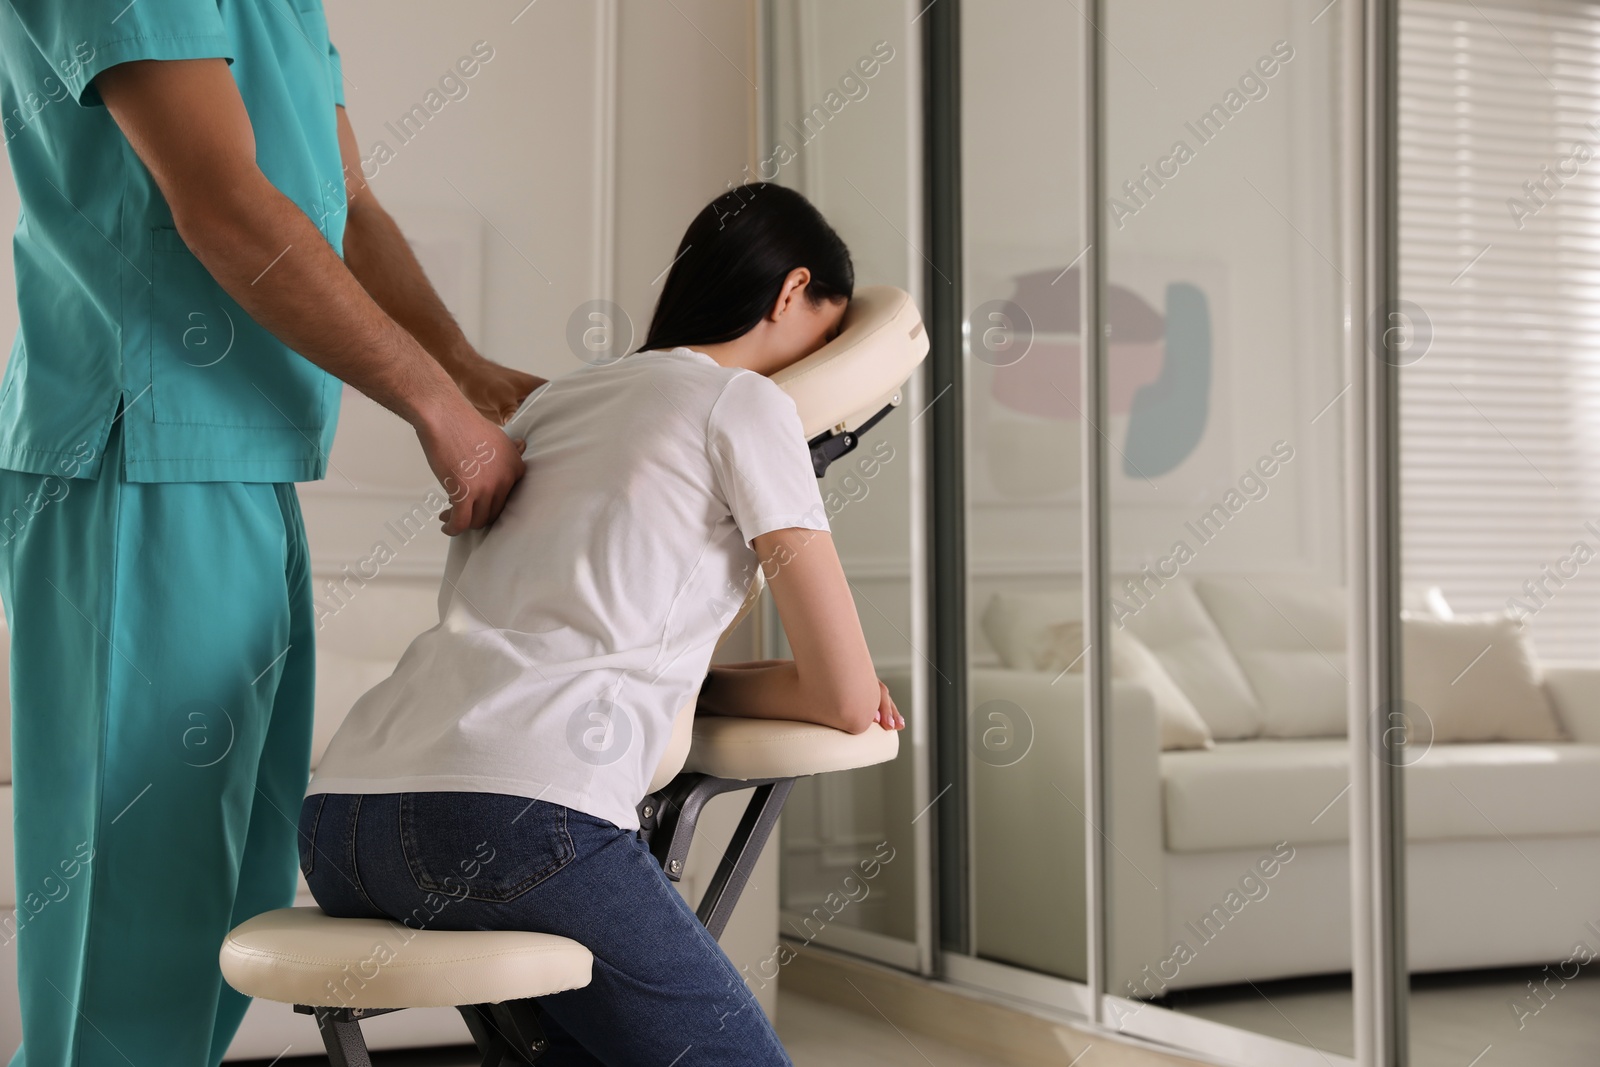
(187, 322)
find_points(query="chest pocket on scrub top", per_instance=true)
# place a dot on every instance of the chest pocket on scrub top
(211, 364)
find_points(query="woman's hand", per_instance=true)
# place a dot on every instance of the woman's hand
(889, 716)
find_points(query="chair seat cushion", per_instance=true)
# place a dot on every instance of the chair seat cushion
(305, 956)
(1254, 794)
(748, 749)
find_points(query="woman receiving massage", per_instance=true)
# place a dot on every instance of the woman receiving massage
(491, 782)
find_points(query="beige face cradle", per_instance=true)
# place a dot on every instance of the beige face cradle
(302, 956)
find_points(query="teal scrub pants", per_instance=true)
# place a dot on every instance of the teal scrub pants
(161, 693)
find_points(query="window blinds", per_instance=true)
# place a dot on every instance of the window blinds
(1500, 263)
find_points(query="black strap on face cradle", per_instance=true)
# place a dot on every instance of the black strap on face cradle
(829, 446)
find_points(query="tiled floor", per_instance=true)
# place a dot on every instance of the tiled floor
(816, 1035)
(821, 1035)
(1456, 1019)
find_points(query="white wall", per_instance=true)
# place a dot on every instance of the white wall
(505, 183)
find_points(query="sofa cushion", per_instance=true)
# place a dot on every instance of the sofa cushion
(1288, 635)
(1172, 622)
(1574, 690)
(1250, 794)
(1475, 678)
(1181, 725)
(1018, 625)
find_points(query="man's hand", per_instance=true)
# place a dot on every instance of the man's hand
(475, 462)
(496, 390)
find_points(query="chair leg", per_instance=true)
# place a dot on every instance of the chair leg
(739, 860)
(507, 1034)
(519, 1021)
(675, 816)
(490, 1046)
(341, 1036)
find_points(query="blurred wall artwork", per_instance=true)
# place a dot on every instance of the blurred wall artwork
(1164, 389)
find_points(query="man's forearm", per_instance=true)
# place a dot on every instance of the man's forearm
(275, 262)
(380, 257)
(186, 121)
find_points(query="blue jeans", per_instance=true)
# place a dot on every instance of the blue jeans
(663, 991)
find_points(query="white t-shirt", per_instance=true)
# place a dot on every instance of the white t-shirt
(573, 629)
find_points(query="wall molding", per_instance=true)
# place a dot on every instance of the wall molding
(889, 568)
(328, 489)
(884, 569)
(607, 44)
(324, 569)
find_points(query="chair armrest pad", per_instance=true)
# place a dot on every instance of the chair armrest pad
(746, 749)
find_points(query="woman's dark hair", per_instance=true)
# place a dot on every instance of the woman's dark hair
(733, 260)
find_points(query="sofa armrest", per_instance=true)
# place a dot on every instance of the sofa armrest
(1029, 824)
(1574, 689)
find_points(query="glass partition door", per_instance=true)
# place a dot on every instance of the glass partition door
(839, 124)
(1228, 762)
(1200, 874)
(1023, 900)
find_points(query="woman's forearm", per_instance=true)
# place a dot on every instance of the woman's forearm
(774, 689)
(760, 690)
(768, 689)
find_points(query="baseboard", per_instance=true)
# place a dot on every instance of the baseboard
(1004, 1035)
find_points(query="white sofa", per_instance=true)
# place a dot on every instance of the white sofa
(1503, 859)
(357, 646)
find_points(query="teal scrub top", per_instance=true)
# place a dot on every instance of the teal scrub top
(116, 312)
